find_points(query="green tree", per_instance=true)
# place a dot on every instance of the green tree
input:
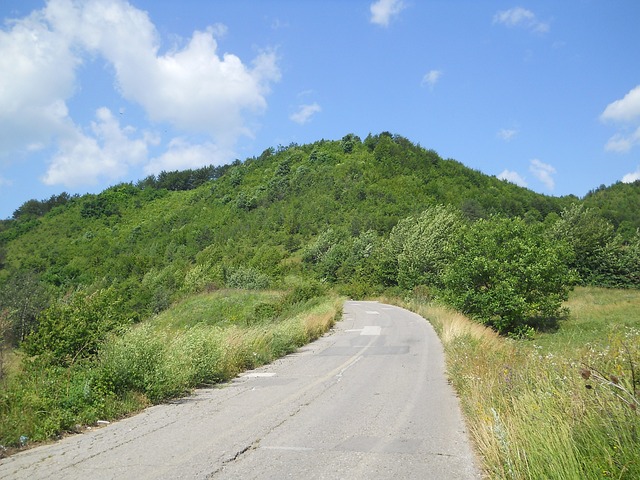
(509, 275)
(23, 298)
(423, 246)
(590, 236)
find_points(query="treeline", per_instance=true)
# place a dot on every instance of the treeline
(178, 180)
(363, 215)
(619, 204)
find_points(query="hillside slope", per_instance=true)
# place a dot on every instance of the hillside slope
(245, 224)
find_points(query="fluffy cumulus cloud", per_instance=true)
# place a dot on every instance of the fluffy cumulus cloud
(383, 11)
(33, 97)
(543, 172)
(625, 112)
(195, 88)
(431, 78)
(107, 153)
(632, 177)
(304, 113)
(182, 155)
(625, 109)
(521, 17)
(513, 177)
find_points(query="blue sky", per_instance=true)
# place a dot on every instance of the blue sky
(545, 94)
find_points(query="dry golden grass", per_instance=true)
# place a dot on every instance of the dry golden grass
(525, 402)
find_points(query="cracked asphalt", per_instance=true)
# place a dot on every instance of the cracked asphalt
(370, 400)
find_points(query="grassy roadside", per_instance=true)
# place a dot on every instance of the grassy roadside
(563, 406)
(206, 339)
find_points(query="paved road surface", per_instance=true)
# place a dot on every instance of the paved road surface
(367, 401)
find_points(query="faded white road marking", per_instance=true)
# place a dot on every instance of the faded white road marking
(371, 330)
(295, 449)
(259, 374)
(372, 312)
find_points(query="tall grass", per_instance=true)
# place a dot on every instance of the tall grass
(563, 406)
(205, 340)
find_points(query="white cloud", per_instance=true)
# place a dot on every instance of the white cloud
(431, 78)
(194, 88)
(305, 112)
(632, 177)
(83, 159)
(33, 95)
(623, 143)
(543, 172)
(383, 10)
(625, 109)
(513, 177)
(507, 134)
(183, 155)
(521, 17)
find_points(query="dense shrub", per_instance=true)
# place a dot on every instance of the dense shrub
(248, 278)
(509, 275)
(77, 326)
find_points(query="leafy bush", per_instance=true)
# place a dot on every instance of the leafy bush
(248, 278)
(304, 292)
(508, 275)
(76, 327)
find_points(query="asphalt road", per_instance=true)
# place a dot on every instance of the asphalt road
(369, 400)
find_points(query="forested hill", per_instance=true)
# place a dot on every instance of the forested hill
(283, 197)
(251, 222)
(618, 203)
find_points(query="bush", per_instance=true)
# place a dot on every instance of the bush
(305, 291)
(509, 275)
(248, 278)
(76, 327)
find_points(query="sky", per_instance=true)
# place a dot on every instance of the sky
(544, 94)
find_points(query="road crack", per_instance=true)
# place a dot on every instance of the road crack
(234, 458)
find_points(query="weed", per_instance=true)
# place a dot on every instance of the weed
(564, 405)
(204, 340)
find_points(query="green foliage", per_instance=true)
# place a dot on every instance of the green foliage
(35, 208)
(348, 216)
(424, 246)
(248, 278)
(99, 206)
(156, 361)
(305, 291)
(349, 142)
(22, 300)
(76, 327)
(508, 275)
(599, 255)
(325, 211)
(618, 203)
